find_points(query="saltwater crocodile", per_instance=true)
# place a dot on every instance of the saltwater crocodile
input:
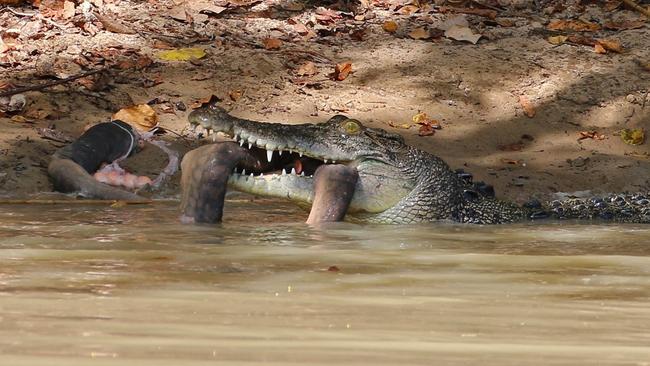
(394, 182)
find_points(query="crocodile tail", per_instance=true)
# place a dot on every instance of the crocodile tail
(491, 211)
(627, 207)
(68, 176)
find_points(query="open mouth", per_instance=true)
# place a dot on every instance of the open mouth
(270, 160)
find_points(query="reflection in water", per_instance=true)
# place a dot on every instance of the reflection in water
(131, 285)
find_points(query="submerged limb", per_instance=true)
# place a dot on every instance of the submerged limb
(204, 180)
(333, 190)
(69, 176)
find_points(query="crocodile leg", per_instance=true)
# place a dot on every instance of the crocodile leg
(333, 190)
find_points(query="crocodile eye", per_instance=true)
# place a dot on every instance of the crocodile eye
(351, 127)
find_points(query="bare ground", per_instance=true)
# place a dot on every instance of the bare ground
(474, 90)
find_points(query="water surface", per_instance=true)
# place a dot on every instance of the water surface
(130, 285)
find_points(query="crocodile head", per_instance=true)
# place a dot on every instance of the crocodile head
(287, 156)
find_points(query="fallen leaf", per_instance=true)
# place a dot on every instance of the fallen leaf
(342, 70)
(574, 25)
(528, 107)
(420, 117)
(161, 45)
(272, 43)
(408, 9)
(599, 49)
(633, 137)
(389, 26)
(307, 69)
(20, 119)
(235, 95)
(581, 40)
(333, 269)
(461, 33)
(113, 25)
(68, 10)
(610, 45)
(182, 54)
(36, 113)
(405, 126)
(625, 25)
(141, 116)
(557, 40)
(419, 33)
(590, 135)
(426, 130)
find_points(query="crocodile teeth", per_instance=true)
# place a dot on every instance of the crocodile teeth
(241, 142)
(293, 171)
(280, 152)
(214, 137)
(243, 172)
(250, 145)
(325, 161)
(284, 172)
(269, 155)
(300, 153)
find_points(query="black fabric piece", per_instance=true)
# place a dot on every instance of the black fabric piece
(102, 143)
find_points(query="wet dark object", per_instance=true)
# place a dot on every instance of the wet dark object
(71, 166)
(333, 189)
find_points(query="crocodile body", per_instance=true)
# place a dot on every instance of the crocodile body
(397, 183)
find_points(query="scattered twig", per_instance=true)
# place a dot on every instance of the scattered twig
(49, 84)
(637, 7)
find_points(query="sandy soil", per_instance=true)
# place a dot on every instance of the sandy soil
(474, 90)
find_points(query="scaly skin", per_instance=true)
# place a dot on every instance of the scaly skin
(397, 183)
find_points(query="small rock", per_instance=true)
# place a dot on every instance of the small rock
(578, 162)
(631, 98)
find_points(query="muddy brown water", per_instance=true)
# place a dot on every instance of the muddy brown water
(84, 285)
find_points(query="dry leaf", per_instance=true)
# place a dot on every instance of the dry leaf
(19, 119)
(624, 25)
(235, 95)
(342, 70)
(461, 33)
(590, 135)
(114, 25)
(36, 113)
(389, 26)
(182, 54)
(212, 99)
(426, 130)
(141, 116)
(68, 10)
(528, 107)
(599, 49)
(419, 33)
(307, 69)
(403, 125)
(574, 25)
(633, 137)
(610, 45)
(557, 40)
(408, 9)
(272, 43)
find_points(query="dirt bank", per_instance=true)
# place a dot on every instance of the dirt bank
(477, 92)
